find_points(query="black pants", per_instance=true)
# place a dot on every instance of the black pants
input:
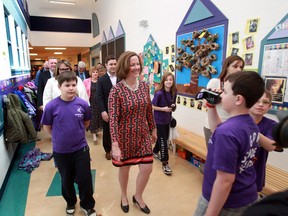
(75, 167)
(106, 137)
(162, 142)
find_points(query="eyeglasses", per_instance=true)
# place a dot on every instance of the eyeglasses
(264, 102)
(64, 69)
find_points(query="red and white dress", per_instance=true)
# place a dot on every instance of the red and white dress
(131, 122)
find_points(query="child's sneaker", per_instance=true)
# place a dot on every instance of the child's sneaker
(156, 156)
(70, 210)
(90, 212)
(167, 170)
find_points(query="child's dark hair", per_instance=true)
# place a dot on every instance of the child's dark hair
(249, 84)
(66, 76)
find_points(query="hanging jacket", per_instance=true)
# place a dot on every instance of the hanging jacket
(18, 127)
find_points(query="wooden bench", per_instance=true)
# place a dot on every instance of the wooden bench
(191, 142)
(276, 179)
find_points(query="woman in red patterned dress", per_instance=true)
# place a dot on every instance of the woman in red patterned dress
(132, 127)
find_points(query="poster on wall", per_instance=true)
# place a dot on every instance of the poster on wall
(275, 60)
(276, 86)
(199, 58)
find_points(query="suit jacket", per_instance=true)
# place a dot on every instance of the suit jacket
(103, 88)
(87, 75)
(43, 78)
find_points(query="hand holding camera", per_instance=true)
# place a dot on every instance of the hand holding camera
(212, 97)
(173, 107)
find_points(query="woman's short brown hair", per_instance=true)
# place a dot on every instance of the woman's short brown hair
(123, 64)
(65, 62)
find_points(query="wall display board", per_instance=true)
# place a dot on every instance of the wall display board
(153, 63)
(201, 47)
(273, 64)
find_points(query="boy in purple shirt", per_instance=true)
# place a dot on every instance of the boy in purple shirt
(265, 125)
(229, 178)
(66, 118)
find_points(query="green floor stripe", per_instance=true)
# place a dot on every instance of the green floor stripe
(55, 187)
(14, 197)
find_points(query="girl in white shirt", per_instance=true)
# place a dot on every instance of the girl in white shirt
(232, 64)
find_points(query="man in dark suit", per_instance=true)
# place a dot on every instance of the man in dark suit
(82, 73)
(104, 85)
(43, 78)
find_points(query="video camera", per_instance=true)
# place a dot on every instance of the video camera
(211, 97)
(280, 131)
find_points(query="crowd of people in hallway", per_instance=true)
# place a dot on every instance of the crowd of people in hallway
(115, 100)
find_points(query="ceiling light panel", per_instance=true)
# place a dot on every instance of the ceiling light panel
(55, 48)
(62, 2)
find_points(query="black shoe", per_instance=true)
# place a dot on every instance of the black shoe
(70, 210)
(146, 210)
(89, 212)
(124, 208)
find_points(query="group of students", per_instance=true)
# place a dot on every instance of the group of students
(128, 124)
(235, 166)
(238, 138)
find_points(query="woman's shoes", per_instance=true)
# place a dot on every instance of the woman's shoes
(146, 210)
(124, 208)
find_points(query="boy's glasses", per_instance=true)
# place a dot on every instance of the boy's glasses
(264, 102)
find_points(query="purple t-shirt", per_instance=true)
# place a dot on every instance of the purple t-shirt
(67, 121)
(265, 126)
(160, 100)
(231, 149)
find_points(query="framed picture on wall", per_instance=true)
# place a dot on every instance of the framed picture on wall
(167, 50)
(276, 86)
(253, 25)
(248, 58)
(234, 51)
(172, 48)
(249, 43)
(235, 38)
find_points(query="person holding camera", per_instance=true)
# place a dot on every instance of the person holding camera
(163, 104)
(232, 64)
(229, 185)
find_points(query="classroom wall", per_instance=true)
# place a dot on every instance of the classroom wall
(165, 16)
(7, 151)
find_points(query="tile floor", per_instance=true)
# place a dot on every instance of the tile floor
(175, 195)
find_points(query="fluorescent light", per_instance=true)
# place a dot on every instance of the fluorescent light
(37, 59)
(33, 54)
(57, 53)
(62, 2)
(30, 47)
(55, 48)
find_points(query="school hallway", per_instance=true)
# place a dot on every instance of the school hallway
(39, 193)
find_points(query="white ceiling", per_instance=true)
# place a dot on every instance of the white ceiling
(82, 10)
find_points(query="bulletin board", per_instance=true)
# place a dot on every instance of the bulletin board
(189, 80)
(273, 65)
(201, 46)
